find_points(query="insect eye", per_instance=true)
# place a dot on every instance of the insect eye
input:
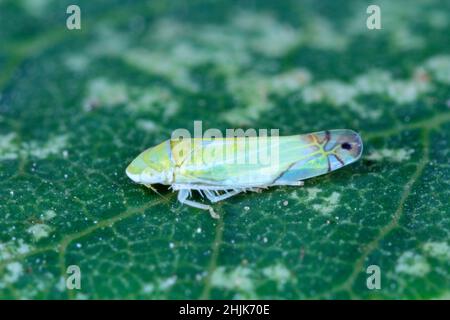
(346, 146)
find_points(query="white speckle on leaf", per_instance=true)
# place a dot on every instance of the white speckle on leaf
(412, 264)
(48, 215)
(156, 100)
(159, 285)
(35, 8)
(81, 296)
(439, 66)
(373, 82)
(331, 91)
(13, 248)
(405, 91)
(312, 193)
(323, 35)
(22, 248)
(269, 35)
(278, 273)
(166, 65)
(290, 81)
(146, 125)
(14, 271)
(237, 279)
(405, 39)
(105, 93)
(198, 277)
(41, 151)
(328, 204)
(61, 284)
(438, 19)
(109, 41)
(339, 93)
(9, 150)
(76, 62)
(167, 283)
(395, 155)
(439, 250)
(252, 91)
(148, 288)
(39, 231)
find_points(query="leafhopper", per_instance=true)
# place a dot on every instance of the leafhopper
(219, 168)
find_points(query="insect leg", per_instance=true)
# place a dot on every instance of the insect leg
(293, 184)
(257, 190)
(183, 198)
(213, 198)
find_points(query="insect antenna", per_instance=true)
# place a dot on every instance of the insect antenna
(156, 191)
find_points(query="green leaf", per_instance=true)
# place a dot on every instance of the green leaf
(77, 106)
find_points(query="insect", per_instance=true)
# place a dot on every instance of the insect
(219, 168)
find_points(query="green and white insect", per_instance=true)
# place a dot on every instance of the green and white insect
(219, 168)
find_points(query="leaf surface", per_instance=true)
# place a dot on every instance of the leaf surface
(76, 106)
